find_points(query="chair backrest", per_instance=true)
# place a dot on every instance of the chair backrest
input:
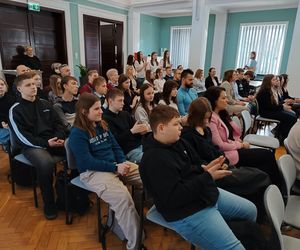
(287, 167)
(275, 209)
(257, 106)
(13, 142)
(70, 157)
(286, 145)
(237, 121)
(247, 121)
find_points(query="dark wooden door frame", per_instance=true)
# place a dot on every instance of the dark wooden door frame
(101, 19)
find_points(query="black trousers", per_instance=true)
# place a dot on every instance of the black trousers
(43, 161)
(262, 159)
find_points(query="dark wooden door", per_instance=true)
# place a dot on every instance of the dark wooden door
(44, 31)
(92, 42)
(14, 31)
(103, 44)
(48, 40)
(108, 46)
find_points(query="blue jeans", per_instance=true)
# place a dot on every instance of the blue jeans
(135, 155)
(4, 136)
(208, 229)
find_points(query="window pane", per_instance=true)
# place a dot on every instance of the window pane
(267, 40)
(180, 46)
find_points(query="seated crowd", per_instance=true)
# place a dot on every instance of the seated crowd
(177, 127)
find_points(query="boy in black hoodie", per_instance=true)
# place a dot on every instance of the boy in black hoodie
(184, 190)
(40, 134)
(126, 130)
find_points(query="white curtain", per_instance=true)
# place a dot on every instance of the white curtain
(180, 46)
(268, 42)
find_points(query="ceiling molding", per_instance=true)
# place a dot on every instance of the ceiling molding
(189, 13)
(123, 4)
(163, 8)
(246, 9)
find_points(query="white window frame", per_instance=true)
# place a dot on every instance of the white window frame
(171, 39)
(257, 24)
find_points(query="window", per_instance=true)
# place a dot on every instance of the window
(180, 45)
(267, 39)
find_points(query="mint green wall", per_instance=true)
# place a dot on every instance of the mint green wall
(209, 44)
(232, 32)
(165, 33)
(75, 37)
(149, 34)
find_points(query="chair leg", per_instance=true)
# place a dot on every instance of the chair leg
(69, 216)
(99, 219)
(12, 175)
(36, 204)
(141, 213)
(34, 185)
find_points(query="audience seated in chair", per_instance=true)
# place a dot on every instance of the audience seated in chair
(126, 130)
(130, 98)
(159, 81)
(6, 101)
(226, 135)
(168, 75)
(39, 84)
(234, 106)
(100, 90)
(88, 87)
(270, 107)
(64, 70)
(145, 105)
(184, 190)
(65, 106)
(186, 94)
(243, 83)
(40, 134)
(293, 142)
(103, 166)
(169, 94)
(112, 76)
(56, 92)
(211, 79)
(249, 183)
(21, 69)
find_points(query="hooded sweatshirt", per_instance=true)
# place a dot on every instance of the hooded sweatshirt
(202, 144)
(173, 175)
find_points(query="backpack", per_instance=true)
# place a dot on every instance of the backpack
(22, 174)
(78, 198)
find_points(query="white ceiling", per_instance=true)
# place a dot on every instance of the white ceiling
(184, 7)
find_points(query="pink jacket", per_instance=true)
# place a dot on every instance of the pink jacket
(220, 135)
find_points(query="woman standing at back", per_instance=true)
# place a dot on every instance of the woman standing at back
(153, 65)
(165, 61)
(140, 67)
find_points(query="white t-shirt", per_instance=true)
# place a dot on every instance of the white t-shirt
(140, 69)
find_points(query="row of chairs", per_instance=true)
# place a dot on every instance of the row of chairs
(285, 163)
(254, 139)
(286, 210)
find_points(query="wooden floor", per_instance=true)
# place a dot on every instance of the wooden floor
(22, 226)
